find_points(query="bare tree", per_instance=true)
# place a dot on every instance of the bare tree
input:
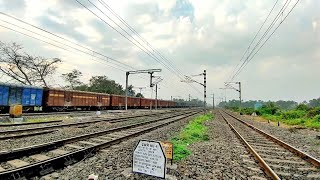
(24, 68)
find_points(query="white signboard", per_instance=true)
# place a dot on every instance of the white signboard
(149, 158)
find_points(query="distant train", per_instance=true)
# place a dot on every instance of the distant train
(49, 99)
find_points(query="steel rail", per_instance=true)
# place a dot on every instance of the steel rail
(77, 123)
(15, 136)
(28, 123)
(30, 150)
(44, 167)
(262, 163)
(287, 146)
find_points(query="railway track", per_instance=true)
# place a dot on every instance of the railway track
(71, 112)
(96, 120)
(42, 159)
(278, 159)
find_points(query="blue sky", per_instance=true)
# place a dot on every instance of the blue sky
(194, 35)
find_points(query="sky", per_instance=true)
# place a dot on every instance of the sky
(190, 35)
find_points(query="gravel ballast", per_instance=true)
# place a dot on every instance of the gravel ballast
(221, 157)
(115, 161)
(68, 132)
(305, 140)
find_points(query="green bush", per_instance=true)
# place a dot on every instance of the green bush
(293, 114)
(247, 111)
(302, 107)
(313, 112)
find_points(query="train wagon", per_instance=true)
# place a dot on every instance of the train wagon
(30, 97)
(164, 104)
(118, 101)
(133, 102)
(59, 100)
(146, 103)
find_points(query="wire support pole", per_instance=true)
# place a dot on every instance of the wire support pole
(205, 89)
(150, 71)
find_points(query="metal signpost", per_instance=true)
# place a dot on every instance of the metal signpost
(149, 158)
(168, 149)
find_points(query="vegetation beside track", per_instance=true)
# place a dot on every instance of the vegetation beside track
(195, 131)
(301, 115)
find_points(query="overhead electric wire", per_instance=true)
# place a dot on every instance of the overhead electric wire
(284, 7)
(60, 47)
(55, 41)
(49, 43)
(41, 29)
(112, 26)
(269, 36)
(254, 37)
(124, 35)
(154, 56)
(136, 33)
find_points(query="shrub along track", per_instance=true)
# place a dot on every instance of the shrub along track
(278, 159)
(30, 131)
(42, 159)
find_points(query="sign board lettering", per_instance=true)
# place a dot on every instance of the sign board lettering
(149, 158)
(168, 149)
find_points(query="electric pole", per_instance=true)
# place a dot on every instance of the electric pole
(212, 100)
(150, 71)
(204, 84)
(228, 84)
(205, 89)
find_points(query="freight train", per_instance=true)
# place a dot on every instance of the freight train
(35, 99)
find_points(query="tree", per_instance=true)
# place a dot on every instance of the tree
(131, 92)
(104, 85)
(139, 95)
(72, 78)
(24, 68)
(314, 102)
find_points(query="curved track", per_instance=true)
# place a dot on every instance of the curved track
(42, 159)
(278, 159)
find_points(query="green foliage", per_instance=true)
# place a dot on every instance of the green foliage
(247, 111)
(293, 114)
(302, 107)
(193, 132)
(313, 112)
(269, 108)
(139, 95)
(314, 103)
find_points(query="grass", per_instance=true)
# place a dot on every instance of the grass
(313, 123)
(195, 131)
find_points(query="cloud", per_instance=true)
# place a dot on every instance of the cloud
(194, 35)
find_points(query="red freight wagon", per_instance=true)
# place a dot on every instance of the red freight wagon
(118, 101)
(145, 103)
(59, 99)
(133, 102)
